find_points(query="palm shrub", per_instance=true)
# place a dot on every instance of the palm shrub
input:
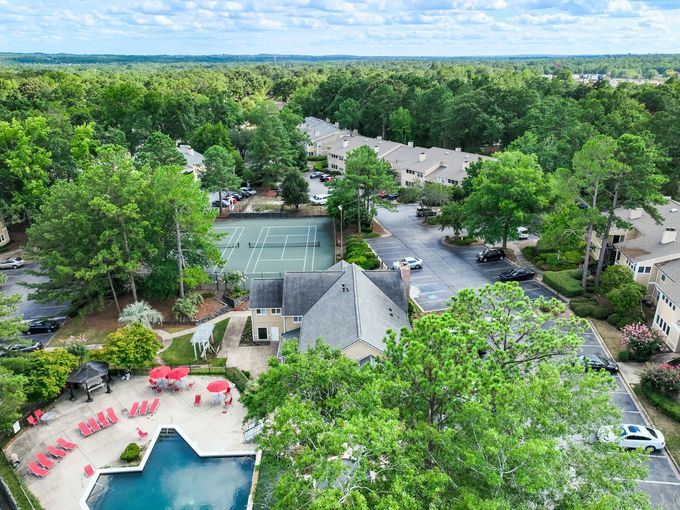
(187, 308)
(141, 312)
(663, 378)
(76, 345)
(641, 341)
(233, 283)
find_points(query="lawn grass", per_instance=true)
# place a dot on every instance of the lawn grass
(666, 424)
(175, 329)
(75, 327)
(181, 352)
(610, 335)
(14, 483)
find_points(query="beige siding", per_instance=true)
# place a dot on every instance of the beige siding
(360, 350)
(4, 234)
(266, 321)
(671, 318)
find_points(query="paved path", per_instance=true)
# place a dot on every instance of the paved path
(232, 336)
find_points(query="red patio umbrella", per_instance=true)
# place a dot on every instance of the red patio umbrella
(159, 372)
(178, 373)
(218, 386)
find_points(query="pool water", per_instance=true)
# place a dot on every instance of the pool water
(175, 477)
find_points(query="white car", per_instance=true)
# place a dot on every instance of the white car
(632, 436)
(522, 233)
(413, 263)
(12, 263)
(320, 199)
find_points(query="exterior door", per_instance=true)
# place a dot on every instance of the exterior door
(274, 333)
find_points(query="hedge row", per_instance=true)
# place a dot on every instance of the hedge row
(359, 252)
(236, 376)
(591, 309)
(565, 282)
(665, 404)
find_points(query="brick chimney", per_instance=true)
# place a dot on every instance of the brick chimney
(405, 272)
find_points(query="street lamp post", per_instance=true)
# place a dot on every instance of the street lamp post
(341, 221)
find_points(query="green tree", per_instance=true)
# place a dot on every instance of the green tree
(48, 373)
(562, 229)
(12, 398)
(435, 194)
(357, 190)
(452, 216)
(614, 277)
(627, 298)
(159, 150)
(10, 324)
(131, 346)
(210, 135)
(508, 192)
(348, 113)
(140, 312)
(220, 171)
(294, 189)
(84, 145)
(401, 124)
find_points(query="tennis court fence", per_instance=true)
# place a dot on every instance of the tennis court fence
(285, 244)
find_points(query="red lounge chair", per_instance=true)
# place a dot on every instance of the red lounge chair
(36, 470)
(32, 421)
(229, 401)
(44, 461)
(142, 410)
(38, 414)
(84, 429)
(141, 433)
(190, 385)
(102, 419)
(154, 405)
(56, 452)
(112, 415)
(133, 410)
(89, 471)
(197, 400)
(66, 445)
(92, 423)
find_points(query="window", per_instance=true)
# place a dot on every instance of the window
(453, 181)
(261, 333)
(643, 269)
(666, 300)
(276, 311)
(663, 325)
(297, 319)
(260, 311)
(663, 277)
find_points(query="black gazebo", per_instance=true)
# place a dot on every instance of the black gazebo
(91, 374)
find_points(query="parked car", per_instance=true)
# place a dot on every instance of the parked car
(598, 362)
(315, 175)
(42, 326)
(234, 194)
(321, 199)
(12, 263)
(491, 254)
(391, 196)
(631, 437)
(326, 178)
(424, 212)
(413, 263)
(249, 192)
(35, 346)
(225, 202)
(522, 233)
(515, 275)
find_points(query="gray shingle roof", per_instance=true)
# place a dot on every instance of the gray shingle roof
(648, 245)
(266, 293)
(302, 290)
(438, 162)
(354, 142)
(318, 129)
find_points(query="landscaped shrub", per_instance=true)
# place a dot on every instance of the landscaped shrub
(640, 341)
(582, 309)
(627, 297)
(565, 282)
(666, 404)
(624, 356)
(614, 319)
(614, 277)
(627, 320)
(663, 378)
(360, 253)
(234, 375)
(410, 194)
(131, 453)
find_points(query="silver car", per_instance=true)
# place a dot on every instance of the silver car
(12, 263)
(413, 263)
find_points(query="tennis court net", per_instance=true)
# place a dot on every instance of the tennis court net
(289, 244)
(232, 245)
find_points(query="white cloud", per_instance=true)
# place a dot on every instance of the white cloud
(619, 6)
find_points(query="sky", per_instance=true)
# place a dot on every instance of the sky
(347, 27)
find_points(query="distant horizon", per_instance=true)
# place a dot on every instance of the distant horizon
(370, 28)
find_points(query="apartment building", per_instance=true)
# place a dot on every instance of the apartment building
(194, 161)
(320, 134)
(4, 233)
(338, 149)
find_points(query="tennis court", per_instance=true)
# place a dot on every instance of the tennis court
(267, 247)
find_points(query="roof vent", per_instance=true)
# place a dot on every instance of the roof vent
(421, 156)
(669, 235)
(345, 142)
(636, 213)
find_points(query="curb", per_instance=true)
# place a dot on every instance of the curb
(633, 396)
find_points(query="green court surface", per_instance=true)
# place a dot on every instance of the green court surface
(267, 247)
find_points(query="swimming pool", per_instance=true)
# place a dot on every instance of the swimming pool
(176, 477)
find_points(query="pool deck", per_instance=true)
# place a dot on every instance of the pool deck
(206, 426)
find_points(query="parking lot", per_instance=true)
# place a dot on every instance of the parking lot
(30, 309)
(447, 270)
(316, 187)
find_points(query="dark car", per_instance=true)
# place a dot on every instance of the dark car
(235, 195)
(424, 212)
(42, 326)
(490, 254)
(515, 275)
(315, 175)
(225, 202)
(248, 192)
(326, 178)
(598, 362)
(391, 196)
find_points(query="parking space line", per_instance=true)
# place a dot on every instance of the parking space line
(631, 412)
(659, 482)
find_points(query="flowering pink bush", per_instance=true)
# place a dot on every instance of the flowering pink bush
(663, 377)
(641, 341)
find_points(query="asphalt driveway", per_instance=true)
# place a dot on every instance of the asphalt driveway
(448, 269)
(30, 309)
